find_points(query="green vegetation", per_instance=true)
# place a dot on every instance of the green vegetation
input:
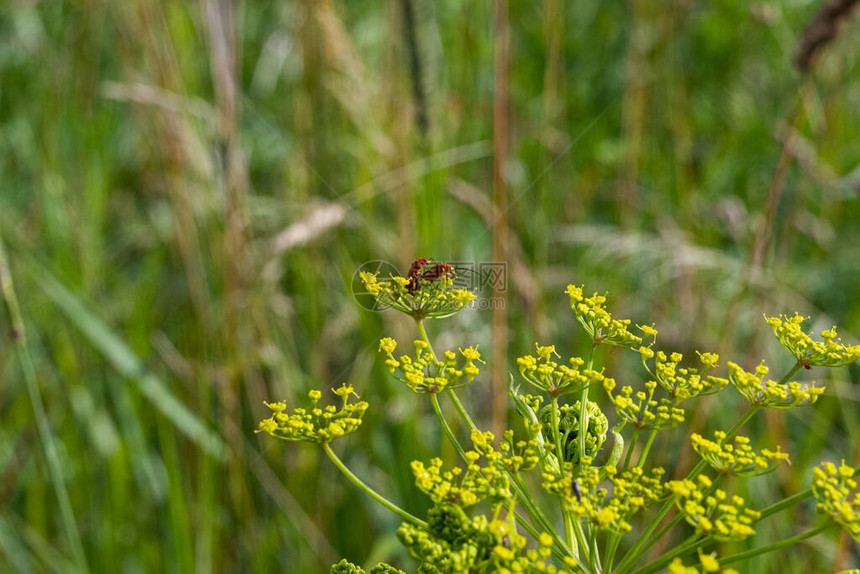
(188, 189)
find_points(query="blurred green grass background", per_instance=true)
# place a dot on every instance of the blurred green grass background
(186, 190)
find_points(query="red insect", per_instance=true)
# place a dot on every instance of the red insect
(424, 269)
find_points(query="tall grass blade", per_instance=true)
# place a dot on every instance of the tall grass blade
(124, 360)
(46, 435)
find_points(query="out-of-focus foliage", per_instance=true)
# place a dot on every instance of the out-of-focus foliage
(188, 189)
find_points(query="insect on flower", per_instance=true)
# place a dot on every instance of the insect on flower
(574, 487)
(415, 272)
(427, 270)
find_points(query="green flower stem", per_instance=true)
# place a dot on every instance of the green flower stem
(571, 527)
(790, 373)
(785, 503)
(538, 517)
(560, 549)
(581, 544)
(694, 542)
(535, 534)
(663, 531)
(454, 399)
(647, 448)
(369, 491)
(611, 549)
(776, 545)
(55, 467)
(595, 554)
(583, 410)
(583, 425)
(568, 531)
(615, 539)
(630, 449)
(461, 409)
(556, 433)
(636, 552)
(445, 427)
(423, 334)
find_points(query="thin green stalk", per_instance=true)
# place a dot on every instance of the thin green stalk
(581, 543)
(785, 503)
(647, 448)
(568, 530)
(692, 543)
(583, 411)
(776, 545)
(594, 554)
(790, 373)
(583, 425)
(571, 527)
(423, 334)
(663, 531)
(369, 491)
(454, 399)
(630, 449)
(55, 468)
(611, 549)
(445, 427)
(556, 432)
(539, 517)
(461, 409)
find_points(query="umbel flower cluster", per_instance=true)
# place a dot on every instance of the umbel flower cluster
(573, 491)
(315, 424)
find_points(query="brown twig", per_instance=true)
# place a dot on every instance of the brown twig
(500, 201)
(823, 30)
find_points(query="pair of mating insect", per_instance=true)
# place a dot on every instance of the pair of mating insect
(427, 270)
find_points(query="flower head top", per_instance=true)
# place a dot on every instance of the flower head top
(568, 428)
(425, 374)
(597, 321)
(556, 379)
(631, 491)
(462, 487)
(320, 425)
(346, 567)
(830, 352)
(708, 563)
(835, 488)
(711, 511)
(419, 299)
(683, 383)
(519, 456)
(641, 409)
(736, 459)
(453, 542)
(769, 393)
